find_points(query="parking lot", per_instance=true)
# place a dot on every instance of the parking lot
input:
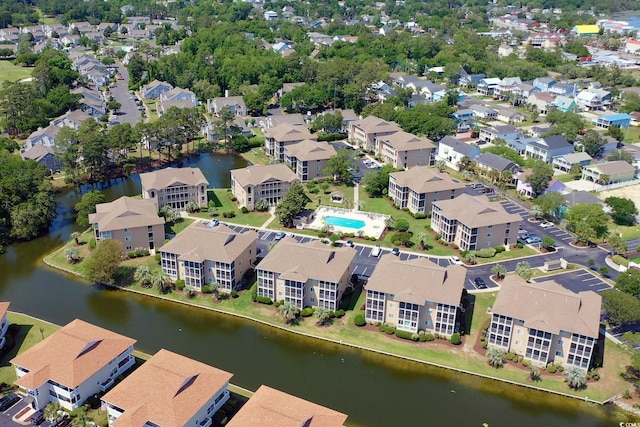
(6, 416)
(578, 281)
(557, 234)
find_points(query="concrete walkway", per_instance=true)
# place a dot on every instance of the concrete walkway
(356, 196)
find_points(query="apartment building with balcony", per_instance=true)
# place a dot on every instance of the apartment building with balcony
(4, 322)
(168, 390)
(74, 363)
(133, 222)
(175, 187)
(364, 132)
(473, 223)
(415, 295)
(202, 254)
(417, 188)
(404, 150)
(283, 135)
(308, 159)
(545, 322)
(308, 274)
(258, 182)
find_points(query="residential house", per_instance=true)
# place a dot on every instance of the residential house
(175, 187)
(509, 115)
(546, 149)
(562, 89)
(139, 19)
(465, 119)
(609, 172)
(155, 89)
(543, 101)
(234, 103)
(270, 15)
(133, 222)
(164, 106)
(204, 253)
(506, 87)
(452, 150)
(92, 107)
(522, 92)
(308, 159)
(168, 390)
(288, 87)
(505, 132)
(257, 182)
(483, 113)
(544, 83)
(417, 188)
(473, 223)
(566, 162)
(586, 30)
(415, 295)
(10, 34)
(364, 132)
(4, 322)
(176, 97)
(404, 150)
(278, 137)
(491, 164)
(470, 80)
(72, 119)
(308, 274)
(45, 136)
(488, 85)
(72, 364)
(621, 120)
(524, 188)
(545, 322)
(572, 198)
(566, 104)
(319, 39)
(44, 155)
(269, 407)
(295, 119)
(593, 99)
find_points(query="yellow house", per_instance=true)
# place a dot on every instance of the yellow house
(586, 30)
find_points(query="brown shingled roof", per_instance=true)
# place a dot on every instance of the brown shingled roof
(163, 178)
(286, 132)
(308, 150)
(426, 180)
(404, 141)
(476, 211)
(611, 168)
(126, 212)
(167, 390)
(258, 174)
(269, 407)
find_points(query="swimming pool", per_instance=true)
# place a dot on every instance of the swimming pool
(344, 222)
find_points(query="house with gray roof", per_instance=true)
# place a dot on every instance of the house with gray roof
(415, 295)
(417, 188)
(566, 161)
(257, 182)
(452, 150)
(235, 104)
(505, 132)
(609, 172)
(487, 162)
(44, 155)
(154, 89)
(175, 187)
(45, 136)
(546, 149)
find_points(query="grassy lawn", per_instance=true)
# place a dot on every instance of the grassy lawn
(628, 233)
(632, 134)
(11, 72)
(256, 156)
(178, 226)
(565, 178)
(510, 254)
(222, 201)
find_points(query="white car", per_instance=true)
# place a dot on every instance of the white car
(455, 260)
(547, 224)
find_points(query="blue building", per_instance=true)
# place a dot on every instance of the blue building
(622, 120)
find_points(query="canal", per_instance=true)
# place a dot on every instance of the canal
(373, 390)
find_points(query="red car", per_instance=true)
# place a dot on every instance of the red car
(120, 78)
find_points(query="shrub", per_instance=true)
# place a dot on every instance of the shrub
(526, 363)
(510, 356)
(206, 289)
(499, 249)
(234, 294)
(92, 244)
(620, 260)
(429, 337)
(254, 296)
(332, 314)
(180, 284)
(454, 246)
(484, 345)
(552, 369)
(415, 337)
(228, 214)
(390, 330)
(402, 225)
(306, 312)
(405, 335)
(340, 313)
(455, 338)
(519, 245)
(359, 319)
(595, 376)
(244, 210)
(419, 216)
(264, 300)
(131, 255)
(486, 253)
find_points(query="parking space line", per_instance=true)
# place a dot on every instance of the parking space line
(584, 273)
(591, 278)
(362, 250)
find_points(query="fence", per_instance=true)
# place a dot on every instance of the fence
(618, 185)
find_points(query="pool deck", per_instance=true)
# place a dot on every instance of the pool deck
(374, 223)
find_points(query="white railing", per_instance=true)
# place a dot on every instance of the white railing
(618, 185)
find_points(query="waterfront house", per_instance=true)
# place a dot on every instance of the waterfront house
(473, 223)
(308, 159)
(175, 187)
(254, 183)
(403, 150)
(133, 222)
(308, 274)
(609, 172)
(74, 363)
(415, 295)
(278, 137)
(45, 137)
(154, 89)
(545, 323)
(566, 161)
(75, 118)
(207, 252)
(235, 104)
(168, 390)
(269, 407)
(452, 150)
(364, 132)
(4, 322)
(43, 155)
(417, 188)
(546, 149)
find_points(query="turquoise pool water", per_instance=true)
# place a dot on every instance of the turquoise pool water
(344, 222)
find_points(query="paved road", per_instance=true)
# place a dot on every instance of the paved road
(5, 417)
(129, 110)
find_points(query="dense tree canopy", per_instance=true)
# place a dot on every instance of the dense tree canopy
(624, 210)
(293, 202)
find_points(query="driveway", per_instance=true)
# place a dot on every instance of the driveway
(129, 110)
(6, 416)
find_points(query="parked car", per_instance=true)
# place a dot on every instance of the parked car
(279, 236)
(455, 260)
(546, 224)
(376, 251)
(37, 418)
(395, 251)
(8, 401)
(350, 243)
(480, 283)
(64, 422)
(532, 240)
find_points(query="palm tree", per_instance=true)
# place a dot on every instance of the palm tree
(323, 315)
(495, 357)
(289, 311)
(81, 419)
(422, 236)
(536, 211)
(499, 270)
(51, 411)
(143, 275)
(441, 165)
(75, 235)
(215, 288)
(72, 255)
(347, 203)
(161, 281)
(575, 377)
(534, 373)
(523, 269)
(389, 223)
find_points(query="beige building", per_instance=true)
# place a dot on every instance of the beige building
(175, 187)
(202, 254)
(473, 223)
(133, 222)
(254, 183)
(308, 159)
(418, 187)
(168, 390)
(308, 274)
(269, 407)
(545, 322)
(74, 363)
(404, 150)
(617, 171)
(364, 132)
(279, 137)
(415, 295)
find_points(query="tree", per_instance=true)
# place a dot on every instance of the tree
(466, 164)
(289, 311)
(255, 104)
(441, 165)
(338, 166)
(103, 263)
(588, 221)
(51, 411)
(80, 418)
(604, 270)
(550, 203)
(621, 155)
(322, 314)
(87, 205)
(223, 124)
(328, 122)
(618, 244)
(215, 288)
(293, 202)
(548, 243)
(75, 236)
(376, 183)
(161, 281)
(575, 377)
(624, 210)
(143, 275)
(495, 357)
(524, 270)
(72, 255)
(616, 133)
(593, 143)
(534, 373)
(471, 257)
(621, 308)
(629, 282)
(540, 176)
(499, 271)
(422, 237)
(537, 211)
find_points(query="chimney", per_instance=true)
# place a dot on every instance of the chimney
(226, 93)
